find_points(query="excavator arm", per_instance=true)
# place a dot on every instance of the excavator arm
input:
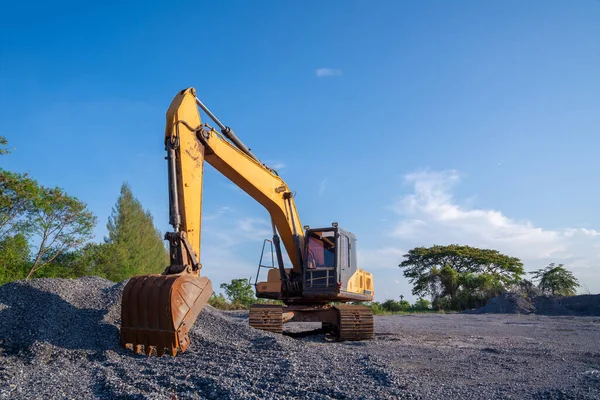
(158, 310)
(189, 143)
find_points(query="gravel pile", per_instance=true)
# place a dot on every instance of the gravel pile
(59, 339)
(514, 303)
(506, 303)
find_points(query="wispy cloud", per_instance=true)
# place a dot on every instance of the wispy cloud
(277, 165)
(254, 228)
(322, 187)
(327, 72)
(216, 214)
(380, 259)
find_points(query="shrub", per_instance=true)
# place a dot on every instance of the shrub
(422, 305)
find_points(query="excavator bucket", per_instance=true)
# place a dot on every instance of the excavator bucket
(157, 311)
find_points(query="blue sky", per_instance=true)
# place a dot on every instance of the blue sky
(410, 123)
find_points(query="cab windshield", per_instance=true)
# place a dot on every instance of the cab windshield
(321, 250)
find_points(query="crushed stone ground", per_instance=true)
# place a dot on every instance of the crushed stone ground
(59, 339)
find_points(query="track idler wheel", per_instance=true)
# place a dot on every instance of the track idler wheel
(157, 311)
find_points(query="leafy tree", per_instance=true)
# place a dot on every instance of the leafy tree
(239, 291)
(14, 258)
(421, 305)
(18, 195)
(556, 280)
(138, 247)
(395, 306)
(404, 305)
(105, 260)
(60, 223)
(93, 259)
(376, 307)
(460, 276)
(220, 302)
(65, 265)
(4, 142)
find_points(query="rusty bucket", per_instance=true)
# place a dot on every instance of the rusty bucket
(157, 311)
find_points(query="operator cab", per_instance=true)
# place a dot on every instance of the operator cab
(330, 261)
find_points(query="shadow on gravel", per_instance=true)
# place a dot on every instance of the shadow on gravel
(36, 316)
(304, 334)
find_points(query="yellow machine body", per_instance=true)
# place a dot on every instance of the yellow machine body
(158, 310)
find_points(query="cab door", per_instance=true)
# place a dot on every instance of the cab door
(344, 265)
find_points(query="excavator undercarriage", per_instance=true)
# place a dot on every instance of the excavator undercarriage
(345, 322)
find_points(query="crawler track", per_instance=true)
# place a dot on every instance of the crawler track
(266, 317)
(354, 322)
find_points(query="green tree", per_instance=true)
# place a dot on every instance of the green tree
(422, 305)
(556, 280)
(14, 258)
(4, 142)
(459, 276)
(395, 306)
(60, 223)
(137, 246)
(18, 195)
(239, 291)
(105, 260)
(65, 265)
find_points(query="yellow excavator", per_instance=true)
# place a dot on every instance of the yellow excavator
(157, 311)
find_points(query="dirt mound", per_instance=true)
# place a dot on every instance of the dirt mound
(506, 303)
(514, 303)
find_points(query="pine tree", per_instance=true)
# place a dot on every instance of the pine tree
(138, 244)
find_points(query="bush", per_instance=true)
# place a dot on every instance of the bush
(422, 305)
(395, 306)
(220, 302)
(375, 307)
(239, 291)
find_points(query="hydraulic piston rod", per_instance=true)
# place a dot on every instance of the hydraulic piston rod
(227, 131)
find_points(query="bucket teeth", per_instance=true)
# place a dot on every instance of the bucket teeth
(157, 311)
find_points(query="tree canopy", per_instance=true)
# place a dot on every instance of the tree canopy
(14, 258)
(556, 280)
(239, 291)
(459, 277)
(60, 222)
(3, 142)
(18, 196)
(137, 246)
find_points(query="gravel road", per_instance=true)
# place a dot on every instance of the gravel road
(59, 339)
